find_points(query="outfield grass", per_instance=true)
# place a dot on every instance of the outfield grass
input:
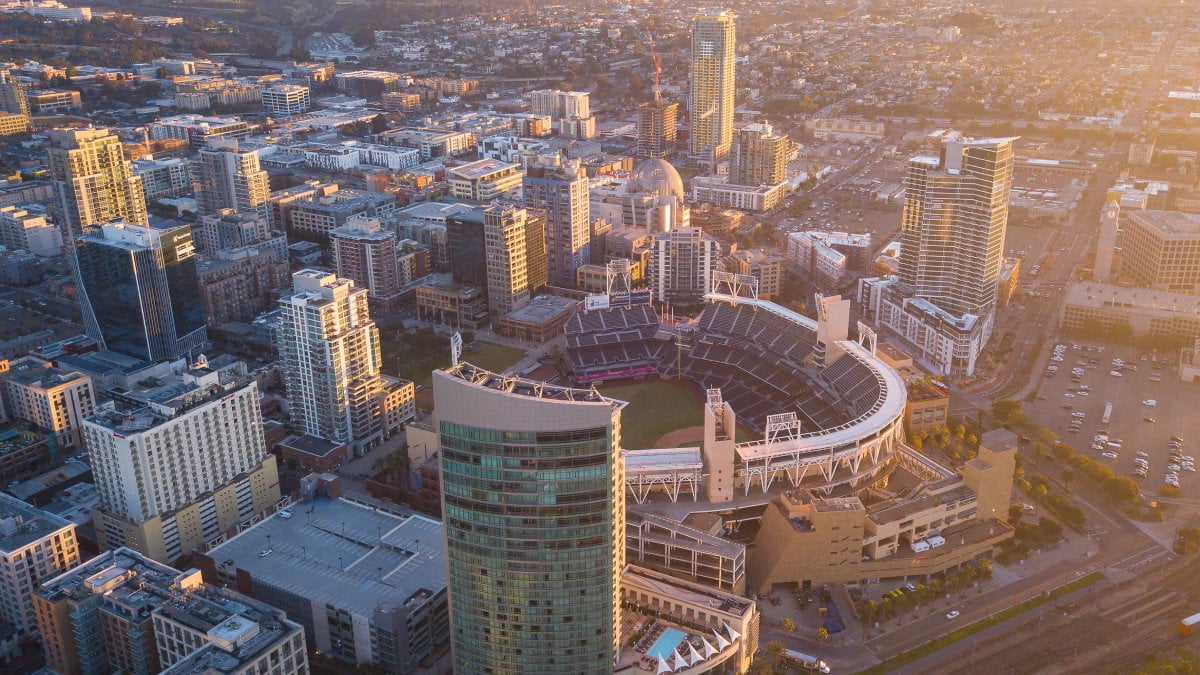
(494, 357)
(655, 407)
(928, 648)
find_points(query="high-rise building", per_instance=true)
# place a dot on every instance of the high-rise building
(943, 303)
(570, 111)
(231, 229)
(138, 291)
(656, 129)
(682, 263)
(1161, 250)
(94, 181)
(13, 95)
(759, 156)
(465, 248)
(955, 216)
(229, 177)
(237, 284)
(34, 545)
(123, 612)
(365, 253)
(710, 106)
(54, 399)
(513, 246)
(286, 99)
(536, 548)
(561, 191)
(329, 349)
(180, 461)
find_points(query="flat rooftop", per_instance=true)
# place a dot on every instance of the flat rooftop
(22, 524)
(345, 553)
(1168, 223)
(482, 168)
(542, 310)
(1137, 300)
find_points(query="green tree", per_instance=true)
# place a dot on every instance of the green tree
(1067, 475)
(916, 443)
(1121, 488)
(870, 612)
(1014, 514)
(960, 432)
(985, 568)
(787, 625)
(775, 650)
(1008, 412)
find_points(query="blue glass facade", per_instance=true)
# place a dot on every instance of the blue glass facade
(141, 301)
(530, 549)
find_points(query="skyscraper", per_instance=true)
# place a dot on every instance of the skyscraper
(656, 129)
(711, 103)
(561, 191)
(1106, 243)
(571, 111)
(95, 183)
(512, 245)
(759, 156)
(138, 291)
(366, 253)
(329, 349)
(533, 500)
(682, 263)
(955, 215)
(229, 177)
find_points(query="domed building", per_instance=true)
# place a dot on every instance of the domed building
(655, 198)
(656, 177)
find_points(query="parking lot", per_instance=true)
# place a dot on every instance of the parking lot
(1173, 412)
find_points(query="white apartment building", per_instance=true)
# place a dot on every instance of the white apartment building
(329, 350)
(682, 263)
(484, 180)
(287, 99)
(230, 177)
(34, 545)
(31, 232)
(52, 398)
(179, 463)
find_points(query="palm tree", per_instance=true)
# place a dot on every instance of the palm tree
(870, 611)
(788, 625)
(822, 636)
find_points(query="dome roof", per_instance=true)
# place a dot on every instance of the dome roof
(656, 176)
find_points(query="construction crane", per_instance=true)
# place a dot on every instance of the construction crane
(657, 66)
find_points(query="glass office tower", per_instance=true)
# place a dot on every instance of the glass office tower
(138, 290)
(533, 503)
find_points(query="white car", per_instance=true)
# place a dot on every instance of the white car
(1142, 454)
(1109, 455)
(1172, 467)
(952, 614)
(1083, 392)
(1150, 402)
(1114, 373)
(1068, 395)
(1188, 458)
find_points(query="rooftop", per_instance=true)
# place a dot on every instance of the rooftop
(22, 524)
(481, 168)
(1142, 300)
(1168, 223)
(343, 552)
(542, 310)
(33, 372)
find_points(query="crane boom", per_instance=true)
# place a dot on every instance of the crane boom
(657, 65)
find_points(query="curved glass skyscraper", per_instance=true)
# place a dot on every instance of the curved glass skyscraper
(533, 503)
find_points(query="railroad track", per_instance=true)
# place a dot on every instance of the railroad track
(1108, 638)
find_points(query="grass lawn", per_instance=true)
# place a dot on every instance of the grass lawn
(655, 407)
(493, 357)
(967, 631)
